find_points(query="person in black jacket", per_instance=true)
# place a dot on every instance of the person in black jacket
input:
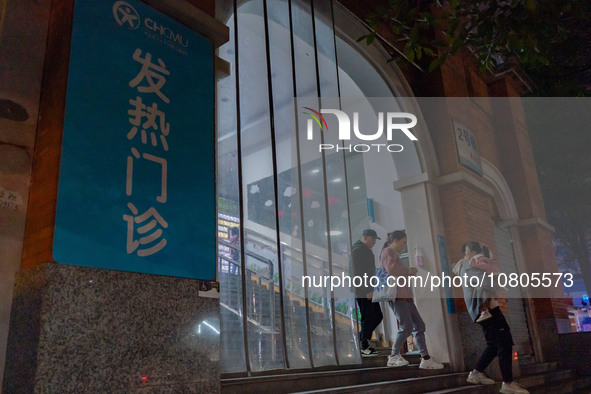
(371, 314)
(497, 333)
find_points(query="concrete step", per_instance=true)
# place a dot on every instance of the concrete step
(382, 358)
(532, 369)
(555, 382)
(577, 385)
(526, 359)
(375, 378)
(542, 379)
(410, 385)
(470, 389)
(324, 380)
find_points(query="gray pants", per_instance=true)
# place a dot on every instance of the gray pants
(409, 321)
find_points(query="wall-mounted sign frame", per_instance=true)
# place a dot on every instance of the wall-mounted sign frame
(136, 186)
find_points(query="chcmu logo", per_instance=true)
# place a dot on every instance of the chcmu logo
(166, 32)
(384, 122)
(125, 14)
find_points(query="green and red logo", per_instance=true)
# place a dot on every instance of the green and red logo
(317, 117)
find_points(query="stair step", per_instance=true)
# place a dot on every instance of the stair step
(377, 379)
(579, 385)
(381, 359)
(327, 380)
(409, 385)
(532, 369)
(471, 389)
(561, 381)
(526, 359)
(545, 378)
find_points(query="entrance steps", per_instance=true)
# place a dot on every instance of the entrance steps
(374, 377)
(552, 381)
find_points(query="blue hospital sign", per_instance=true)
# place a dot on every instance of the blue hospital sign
(136, 185)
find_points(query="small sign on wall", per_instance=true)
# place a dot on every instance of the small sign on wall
(370, 210)
(467, 148)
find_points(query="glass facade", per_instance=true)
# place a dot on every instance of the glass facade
(285, 209)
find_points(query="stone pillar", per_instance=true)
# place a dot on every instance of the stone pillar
(78, 329)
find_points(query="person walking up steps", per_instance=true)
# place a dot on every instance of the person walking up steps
(371, 314)
(409, 319)
(499, 342)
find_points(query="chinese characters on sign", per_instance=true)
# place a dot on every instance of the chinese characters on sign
(467, 148)
(136, 185)
(145, 117)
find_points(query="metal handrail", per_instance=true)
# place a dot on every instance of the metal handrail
(287, 290)
(246, 231)
(271, 279)
(268, 329)
(265, 260)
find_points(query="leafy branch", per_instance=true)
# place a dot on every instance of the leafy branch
(498, 32)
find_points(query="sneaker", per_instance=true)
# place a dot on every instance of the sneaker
(396, 361)
(476, 377)
(430, 364)
(484, 315)
(512, 388)
(369, 351)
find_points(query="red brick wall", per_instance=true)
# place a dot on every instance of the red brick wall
(453, 73)
(468, 214)
(517, 161)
